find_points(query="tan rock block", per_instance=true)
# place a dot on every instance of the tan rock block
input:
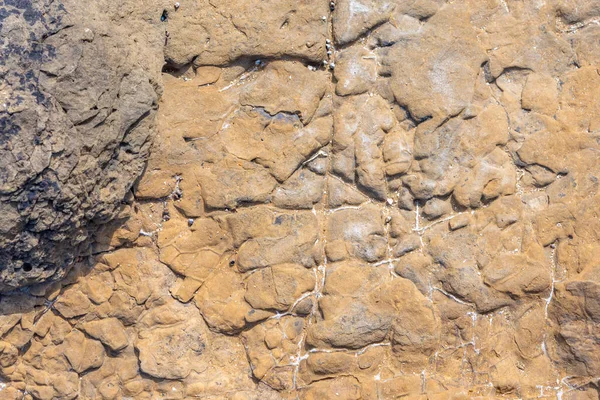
(110, 331)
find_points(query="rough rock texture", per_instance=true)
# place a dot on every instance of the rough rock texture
(78, 94)
(416, 217)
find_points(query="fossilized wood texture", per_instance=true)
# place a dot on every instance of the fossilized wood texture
(416, 217)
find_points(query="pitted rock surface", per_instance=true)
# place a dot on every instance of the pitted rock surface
(356, 200)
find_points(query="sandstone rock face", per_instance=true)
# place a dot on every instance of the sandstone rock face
(346, 200)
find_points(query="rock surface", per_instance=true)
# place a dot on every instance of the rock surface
(80, 87)
(415, 217)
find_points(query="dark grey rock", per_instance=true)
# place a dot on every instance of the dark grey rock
(78, 95)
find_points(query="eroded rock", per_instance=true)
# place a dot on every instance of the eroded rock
(346, 199)
(77, 108)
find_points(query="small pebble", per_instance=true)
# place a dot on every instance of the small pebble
(460, 221)
(190, 222)
(177, 5)
(332, 65)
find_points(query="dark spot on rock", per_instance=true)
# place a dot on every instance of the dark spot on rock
(49, 53)
(8, 129)
(32, 16)
(39, 97)
(3, 13)
(36, 54)
(20, 4)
